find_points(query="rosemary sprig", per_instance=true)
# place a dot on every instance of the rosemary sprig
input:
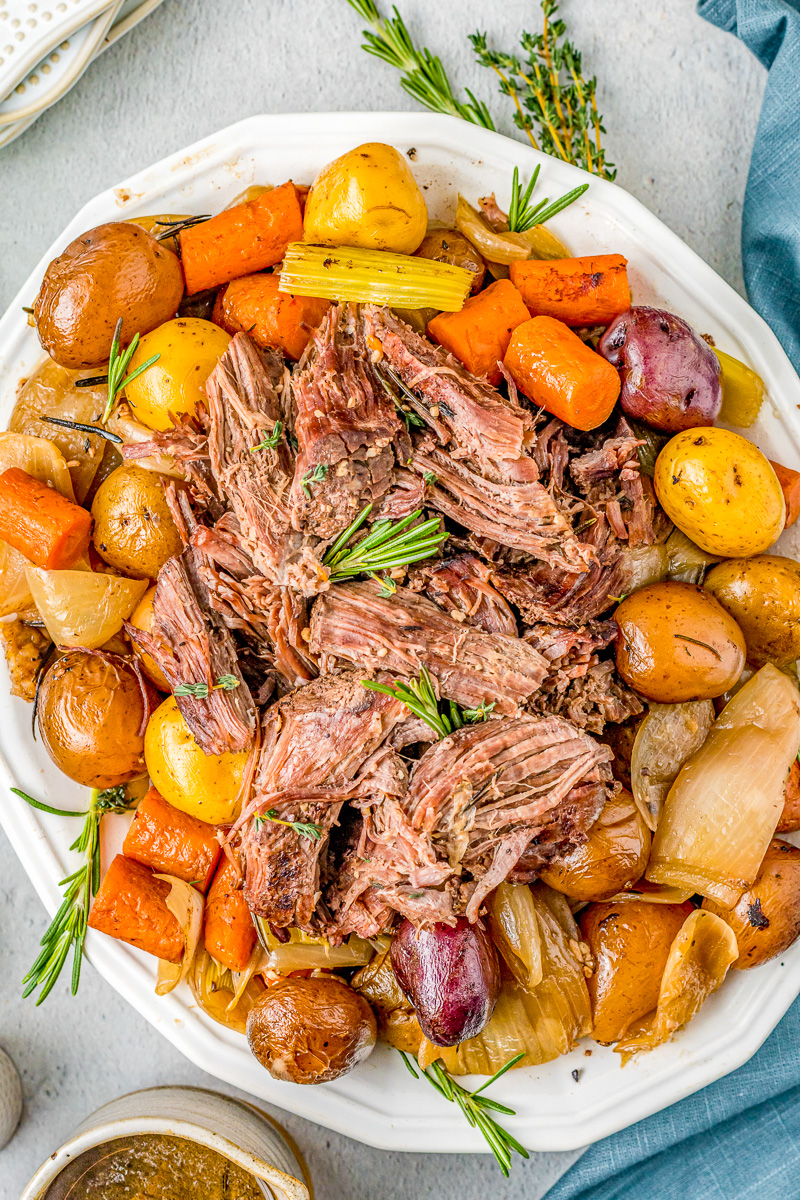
(523, 215)
(118, 362)
(315, 476)
(554, 105)
(201, 691)
(388, 544)
(477, 1108)
(306, 829)
(270, 442)
(68, 927)
(443, 717)
(171, 230)
(423, 76)
(683, 638)
(81, 428)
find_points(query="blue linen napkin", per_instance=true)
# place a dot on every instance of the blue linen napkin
(739, 1138)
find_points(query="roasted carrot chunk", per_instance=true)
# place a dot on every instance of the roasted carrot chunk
(249, 237)
(559, 372)
(131, 905)
(790, 486)
(50, 530)
(578, 291)
(168, 840)
(254, 305)
(229, 931)
(479, 334)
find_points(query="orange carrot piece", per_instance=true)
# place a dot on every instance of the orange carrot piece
(578, 291)
(559, 372)
(229, 931)
(171, 841)
(479, 334)
(249, 237)
(790, 486)
(50, 530)
(131, 905)
(254, 305)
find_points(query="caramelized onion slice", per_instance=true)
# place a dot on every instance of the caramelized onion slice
(186, 905)
(83, 608)
(507, 247)
(697, 965)
(515, 931)
(226, 996)
(666, 738)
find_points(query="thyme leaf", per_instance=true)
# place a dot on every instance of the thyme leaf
(201, 690)
(269, 443)
(306, 829)
(315, 476)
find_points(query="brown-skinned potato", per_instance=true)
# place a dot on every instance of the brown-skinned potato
(762, 594)
(790, 817)
(92, 712)
(450, 246)
(676, 642)
(630, 942)
(766, 918)
(612, 858)
(112, 271)
(311, 1030)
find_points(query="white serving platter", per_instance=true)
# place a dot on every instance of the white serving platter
(380, 1103)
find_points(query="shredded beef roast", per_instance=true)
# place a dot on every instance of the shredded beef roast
(345, 425)
(191, 645)
(460, 585)
(401, 633)
(486, 791)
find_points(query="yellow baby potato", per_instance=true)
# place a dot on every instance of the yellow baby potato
(189, 349)
(721, 491)
(133, 527)
(204, 785)
(367, 197)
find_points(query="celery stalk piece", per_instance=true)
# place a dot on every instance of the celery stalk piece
(742, 391)
(373, 277)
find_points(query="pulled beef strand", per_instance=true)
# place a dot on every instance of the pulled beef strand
(404, 632)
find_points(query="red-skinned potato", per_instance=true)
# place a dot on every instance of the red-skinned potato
(451, 975)
(115, 270)
(670, 376)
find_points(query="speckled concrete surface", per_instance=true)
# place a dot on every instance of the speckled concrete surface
(680, 101)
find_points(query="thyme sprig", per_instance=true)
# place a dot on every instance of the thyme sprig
(118, 363)
(523, 215)
(68, 927)
(271, 441)
(306, 829)
(315, 476)
(477, 1108)
(201, 691)
(419, 695)
(555, 106)
(423, 76)
(389, 544)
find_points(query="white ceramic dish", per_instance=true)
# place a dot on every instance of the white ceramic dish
(236, 1130)
(380, 1103)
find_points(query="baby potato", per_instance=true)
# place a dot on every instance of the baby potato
(133, 528)
(91, 712)
(204, 785)
(790, 817)
(142, 618)
(763, 595)
(189, 349)
(721, 491)
(115, 270)
(367, 197)
(614, 856)
(311, 1030)
(766, 918)
(630, 943)
(676, 642)
(450, 246)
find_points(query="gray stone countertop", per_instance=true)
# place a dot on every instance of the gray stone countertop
(680, 101)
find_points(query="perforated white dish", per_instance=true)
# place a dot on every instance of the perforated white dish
(57, 73)
(380, 1103)
(30, 29)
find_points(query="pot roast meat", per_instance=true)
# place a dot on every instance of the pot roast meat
(460, 585)
(486, 791)
(492, 431)
(523, 516)
(191, 644)
(345, 425)
(404, 632)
